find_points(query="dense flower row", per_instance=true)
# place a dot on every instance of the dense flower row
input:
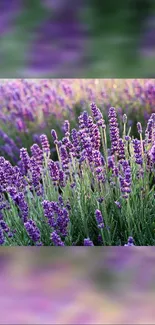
(27, 108)
(90, 195)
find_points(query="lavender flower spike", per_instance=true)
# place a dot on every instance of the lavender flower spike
(56, 239)
(139, 127)
(54, 135)
(88, 242)
(45, 144)
(137, 151)
(152, 154)
(32, 230)
(67, 128)
(2, 239)
(114, 130)
(99, 219)
(130, 242)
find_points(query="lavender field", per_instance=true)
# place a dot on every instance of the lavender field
(77, 164)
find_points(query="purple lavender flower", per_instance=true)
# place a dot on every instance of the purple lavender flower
(152, 154)
(149, 129)
(32, 230)
(83, 121)
(88, 242)
(19, 199)
(49, 213)
(137, 151)
(4, 226)
(111, 162)
(58, 217)
(54, 135)
(36, 175)
(25, 160)
(75, 141)
(130, 242)
(61, 178)
(139, 127)
(68, 144)
(37, 154)
(121, 149)
(45, 144)
(2, 238)
(64, 157)
(62, 222)
(112, 166)
(95, 137)
(10, 234)
(99, 219)
(54, 172)
(59, 143)
(114, 130)
(68, 206)
(97, 115)
(13, 192)
(125, 180)
(56, 239)
(97, 158)
(98, 164)
(61, 202)
(127, 138)
(90, 122)
(66, 128)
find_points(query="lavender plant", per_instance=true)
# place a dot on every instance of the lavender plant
(92, 195)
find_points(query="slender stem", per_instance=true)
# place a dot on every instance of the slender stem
(57, 149)
(141, 140)
(124, 131)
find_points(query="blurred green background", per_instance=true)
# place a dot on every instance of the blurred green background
(112, 46)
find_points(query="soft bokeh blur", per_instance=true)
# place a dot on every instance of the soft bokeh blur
(77, 286)
(91, 38)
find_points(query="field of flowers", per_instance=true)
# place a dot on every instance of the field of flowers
(77, 163)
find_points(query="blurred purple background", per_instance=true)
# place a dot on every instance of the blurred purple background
(91, 38)
(77, 286)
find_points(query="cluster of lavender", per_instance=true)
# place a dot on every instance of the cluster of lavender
(27, 108)
(58, 218)
(45, 195)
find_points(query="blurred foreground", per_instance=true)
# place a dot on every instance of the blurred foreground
(77, 286)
